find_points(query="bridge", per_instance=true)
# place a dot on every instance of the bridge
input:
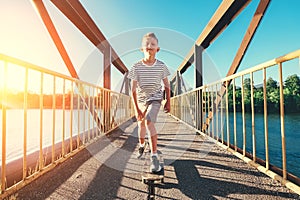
(77, 140)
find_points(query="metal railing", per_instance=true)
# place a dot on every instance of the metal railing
(240, 119)
(49, 116)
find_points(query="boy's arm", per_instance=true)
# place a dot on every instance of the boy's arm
(167, 90)
(134, 96)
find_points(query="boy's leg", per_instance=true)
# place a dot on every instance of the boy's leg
(155, 166)
(141, 125)
(141, 131)
(142, 135)
(151, 117)
(153, 136)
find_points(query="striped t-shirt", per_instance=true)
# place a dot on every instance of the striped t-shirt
(149, 80)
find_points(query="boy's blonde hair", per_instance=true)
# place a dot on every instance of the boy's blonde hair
(151, 34)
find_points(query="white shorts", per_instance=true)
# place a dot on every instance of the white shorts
(152, 110)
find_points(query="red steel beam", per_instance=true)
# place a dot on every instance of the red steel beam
(59, 45)
(224, 15)
(256, 19)
(76, 13)
(55, 37)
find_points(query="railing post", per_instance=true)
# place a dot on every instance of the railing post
(107, 85)
(71, 106)
(3, 103)
(178, 84)
(64, 119)
(243, 116)
(199, 82)
(253, 117)
(41, 162)
(266, 119)
(25, 105)
(53, 118)
(227, 116)
(283, 146)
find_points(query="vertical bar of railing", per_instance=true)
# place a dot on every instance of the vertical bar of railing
(198, 113)
(177, 106)
(184, 108)
(187, 108)
(100, 111)
(89, 118)
(78, 114)
(234, 114)
(25, 105)
(4, 102)
(53, 118)
(104, 111)
(266, 118)
(208, 109)
(71, 116)
(205, 101)
(212, 112)
(221, 123)
(253, 117)
(64, 119)
(41, 121)
(94, 117)
(243, 116)
(84, 107)
(202, 107)
(173, 105)
(217, 114)
(227, 115)
(97, 109)
(282, 122)
(201, 116)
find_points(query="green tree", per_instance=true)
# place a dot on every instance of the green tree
(247, 94)
(271, 84)
(273, 96)
(292, 93)
(292, 84)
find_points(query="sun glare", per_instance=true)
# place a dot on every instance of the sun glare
(13, 78)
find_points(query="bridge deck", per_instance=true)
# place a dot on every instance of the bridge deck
(194, 167)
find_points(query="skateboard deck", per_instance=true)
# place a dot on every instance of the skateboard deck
(148, 176)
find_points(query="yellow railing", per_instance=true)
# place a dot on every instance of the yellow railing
(65, 113)
(239, 107)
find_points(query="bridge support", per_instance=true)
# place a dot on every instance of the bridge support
(198, 83)
(107, 84)
(256, 19)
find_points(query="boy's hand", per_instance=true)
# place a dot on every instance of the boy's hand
(167, 107)
(140, 115)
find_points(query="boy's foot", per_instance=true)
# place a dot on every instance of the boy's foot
(140, 152)
(155, 166)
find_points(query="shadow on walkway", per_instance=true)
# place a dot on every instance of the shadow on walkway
(200, 186)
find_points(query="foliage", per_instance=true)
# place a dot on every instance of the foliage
(291, 91)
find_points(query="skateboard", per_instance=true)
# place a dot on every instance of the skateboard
(150, 178)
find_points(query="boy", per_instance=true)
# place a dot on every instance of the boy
(146, 76)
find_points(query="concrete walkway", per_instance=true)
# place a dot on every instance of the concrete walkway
(195, 168)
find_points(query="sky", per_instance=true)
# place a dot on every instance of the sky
(176, 23)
